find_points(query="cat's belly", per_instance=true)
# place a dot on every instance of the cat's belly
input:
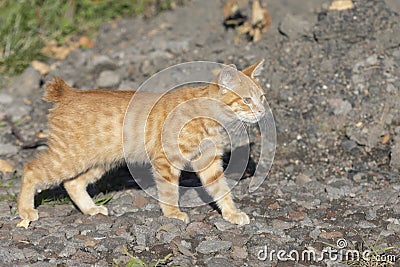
(134, 138)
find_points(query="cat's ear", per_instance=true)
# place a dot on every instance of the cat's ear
(228, 78)
(255, 69)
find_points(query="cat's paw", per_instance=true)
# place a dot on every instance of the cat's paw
(239, 218)
(179, 215)
(29, 214)
(97, 210)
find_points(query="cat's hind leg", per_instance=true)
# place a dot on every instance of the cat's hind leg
(76, 189)
(167, 181)
(41, 173)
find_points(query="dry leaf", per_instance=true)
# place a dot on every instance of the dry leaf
(257, 15)
(385, 139)
(6, 166)
(230, 8)
(256, 35)
(51, 49)
(84, 41)
(24, 223)
(27, 101)
(341, 5)
(260, 21)
(41, 67)
(42, 135)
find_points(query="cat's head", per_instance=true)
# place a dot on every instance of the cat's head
(241, 92)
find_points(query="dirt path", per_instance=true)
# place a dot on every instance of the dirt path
(333, 85)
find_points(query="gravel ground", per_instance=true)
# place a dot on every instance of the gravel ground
(332, 80)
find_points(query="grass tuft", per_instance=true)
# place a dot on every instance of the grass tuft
(27, 25)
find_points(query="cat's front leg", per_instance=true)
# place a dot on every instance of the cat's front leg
(167, 180)
(214, 181)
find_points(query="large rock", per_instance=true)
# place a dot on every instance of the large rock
(28, 81)
(395, 156)
(295, 26)
(8, 149)
(212, 246)
(108, 79)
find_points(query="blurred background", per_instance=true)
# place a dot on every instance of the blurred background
(26, 26)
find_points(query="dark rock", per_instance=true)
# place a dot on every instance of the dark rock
(102, 63)
(295, 26)
(219, 262)
(212, 246)
(8, 149)
(394, 5)
(395, 156)
(349, 145)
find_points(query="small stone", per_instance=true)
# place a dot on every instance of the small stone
(18, 237)
(139, 201)
(102, 63)
(281, 225)
(296, 215)
(331, 235)
(18, 111)
(67, 251)
(314, 234)
(30, 253)
(239, 252)
(28, 81)
(372, 60)
(395, 156)
(274, 206)
(302, 179)
(371, 215)
(198, 228)
(224, 225)
(348, 145)
(394, 5)
(340, 107)
(146, 67)
(177, 47)
(5, 99)
(141, 233)
(212, 246)
(84, 257)
(358, 177)
(218, 262)
(366, 225)
(396, 209)
(108, 79)
(394, 227)
(8, 149)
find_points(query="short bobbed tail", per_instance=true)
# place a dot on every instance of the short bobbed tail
(56, 90)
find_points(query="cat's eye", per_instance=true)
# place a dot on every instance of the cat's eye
(246, 100)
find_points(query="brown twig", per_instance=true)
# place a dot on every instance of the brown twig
(14, 130)
(34, 143)
(17, 133)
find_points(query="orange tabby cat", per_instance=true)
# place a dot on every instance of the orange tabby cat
(93, 131)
